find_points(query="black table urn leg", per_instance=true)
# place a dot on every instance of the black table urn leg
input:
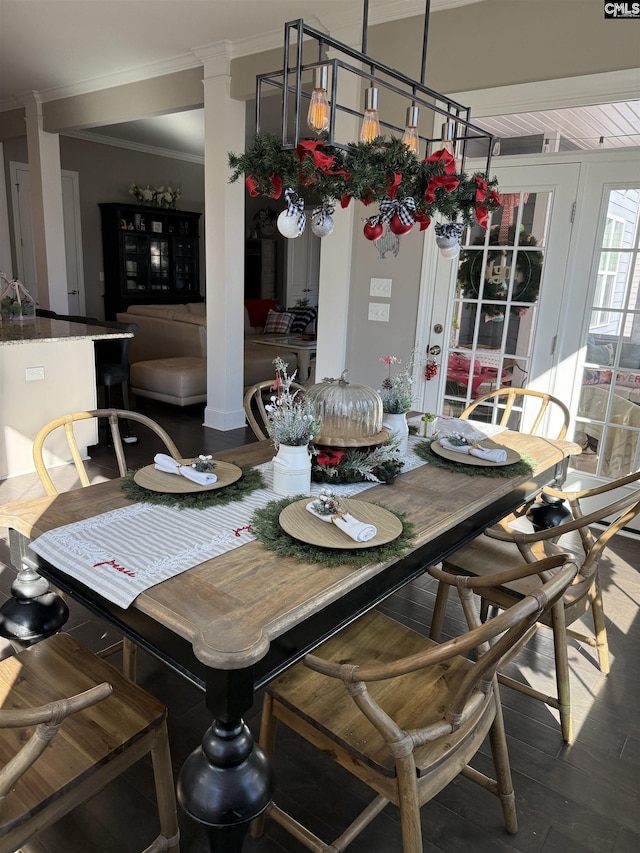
(33, 612)
(225, 783)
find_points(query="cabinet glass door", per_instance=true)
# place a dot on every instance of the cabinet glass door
(159, 272)
(135, 258)
(184, 265)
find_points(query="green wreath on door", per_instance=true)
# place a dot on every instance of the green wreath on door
(527, 277)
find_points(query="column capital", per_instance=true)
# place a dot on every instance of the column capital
(216, 58)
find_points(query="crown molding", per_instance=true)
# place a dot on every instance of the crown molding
(134, 146)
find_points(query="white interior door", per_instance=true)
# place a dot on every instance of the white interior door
(494, 311)
(21, 202)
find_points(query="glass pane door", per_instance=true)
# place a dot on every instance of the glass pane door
(495, 311)
(608, 417)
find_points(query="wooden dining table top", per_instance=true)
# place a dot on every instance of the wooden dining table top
(230, 608)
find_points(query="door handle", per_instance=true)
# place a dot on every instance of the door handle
(72, 292)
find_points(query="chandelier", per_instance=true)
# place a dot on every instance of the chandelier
(414, 174)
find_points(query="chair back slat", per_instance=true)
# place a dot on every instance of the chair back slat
(114, 417)
(506, 398)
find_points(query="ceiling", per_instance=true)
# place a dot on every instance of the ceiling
(80, 46)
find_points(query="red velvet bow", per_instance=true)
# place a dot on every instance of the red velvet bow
(482, 215)
(392, 191)
(276, 186)
(423, 221)
(445, 157)
(330, 458)
(481, 188)
(449, 182)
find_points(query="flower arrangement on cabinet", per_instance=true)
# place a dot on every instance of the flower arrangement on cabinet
(290, 419)
(397, 390)
(155, 196)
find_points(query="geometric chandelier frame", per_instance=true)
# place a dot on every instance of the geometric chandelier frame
(289, 80)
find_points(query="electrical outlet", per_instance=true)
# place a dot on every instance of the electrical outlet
(379, 311)
(380, 287)
(32, 373)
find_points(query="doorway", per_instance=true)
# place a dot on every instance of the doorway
(494, 311)
(25, 254)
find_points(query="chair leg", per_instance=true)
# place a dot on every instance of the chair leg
(267, 740)
(562, 669)
(498, 741)
(165, 791)
(129, 659)
(439, 610)
(409, 805)
(599, 627)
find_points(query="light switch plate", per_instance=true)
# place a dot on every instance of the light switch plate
(379, 311)
(32, 373)
(380, 287)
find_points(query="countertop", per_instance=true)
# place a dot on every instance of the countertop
(44, 329)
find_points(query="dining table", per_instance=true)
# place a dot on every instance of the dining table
(232, 623)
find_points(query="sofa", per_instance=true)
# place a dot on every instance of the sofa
(168, 353)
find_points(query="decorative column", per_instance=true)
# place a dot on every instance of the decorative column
(46, 210)
(224, 123)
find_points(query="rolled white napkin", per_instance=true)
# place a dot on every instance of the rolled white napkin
(169, 465)
(359, 531)
(496, 455)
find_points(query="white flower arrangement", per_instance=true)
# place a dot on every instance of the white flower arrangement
(397, 391)
(155, 196)
(290, 419)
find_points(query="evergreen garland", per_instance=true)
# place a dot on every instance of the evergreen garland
(368, 172)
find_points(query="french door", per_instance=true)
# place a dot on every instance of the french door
(492, 316)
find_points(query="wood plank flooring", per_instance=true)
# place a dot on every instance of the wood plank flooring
(582, 798)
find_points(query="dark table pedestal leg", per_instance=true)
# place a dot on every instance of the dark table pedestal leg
(34, 611)
(225, 783)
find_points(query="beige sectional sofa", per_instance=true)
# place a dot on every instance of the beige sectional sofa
(168, 353)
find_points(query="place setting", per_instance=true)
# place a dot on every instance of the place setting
(332, 530)
(194, 482)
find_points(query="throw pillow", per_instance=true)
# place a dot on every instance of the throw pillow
(302, 316)
(278, 322)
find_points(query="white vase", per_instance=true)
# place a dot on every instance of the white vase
(397, 424)
(292, 470)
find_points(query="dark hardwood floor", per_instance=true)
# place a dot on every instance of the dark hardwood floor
(582, 798)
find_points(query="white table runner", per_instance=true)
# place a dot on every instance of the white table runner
(123, 552)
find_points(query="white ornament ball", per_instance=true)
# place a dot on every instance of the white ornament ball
(451, 251)
(288, 224)
(445, 242)
(324, 228)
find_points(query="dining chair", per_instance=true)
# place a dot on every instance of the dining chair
(254, 406)
(502, 545)
(512, 401)
(67, 424)
(69, 725)
(404, 714)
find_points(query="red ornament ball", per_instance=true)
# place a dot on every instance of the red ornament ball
(398, 227)
(373, 231)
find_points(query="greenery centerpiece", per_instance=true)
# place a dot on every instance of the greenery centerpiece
(155, 196)
(291, 424)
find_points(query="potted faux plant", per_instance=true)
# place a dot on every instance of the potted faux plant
(291, 425)
(397, 395)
